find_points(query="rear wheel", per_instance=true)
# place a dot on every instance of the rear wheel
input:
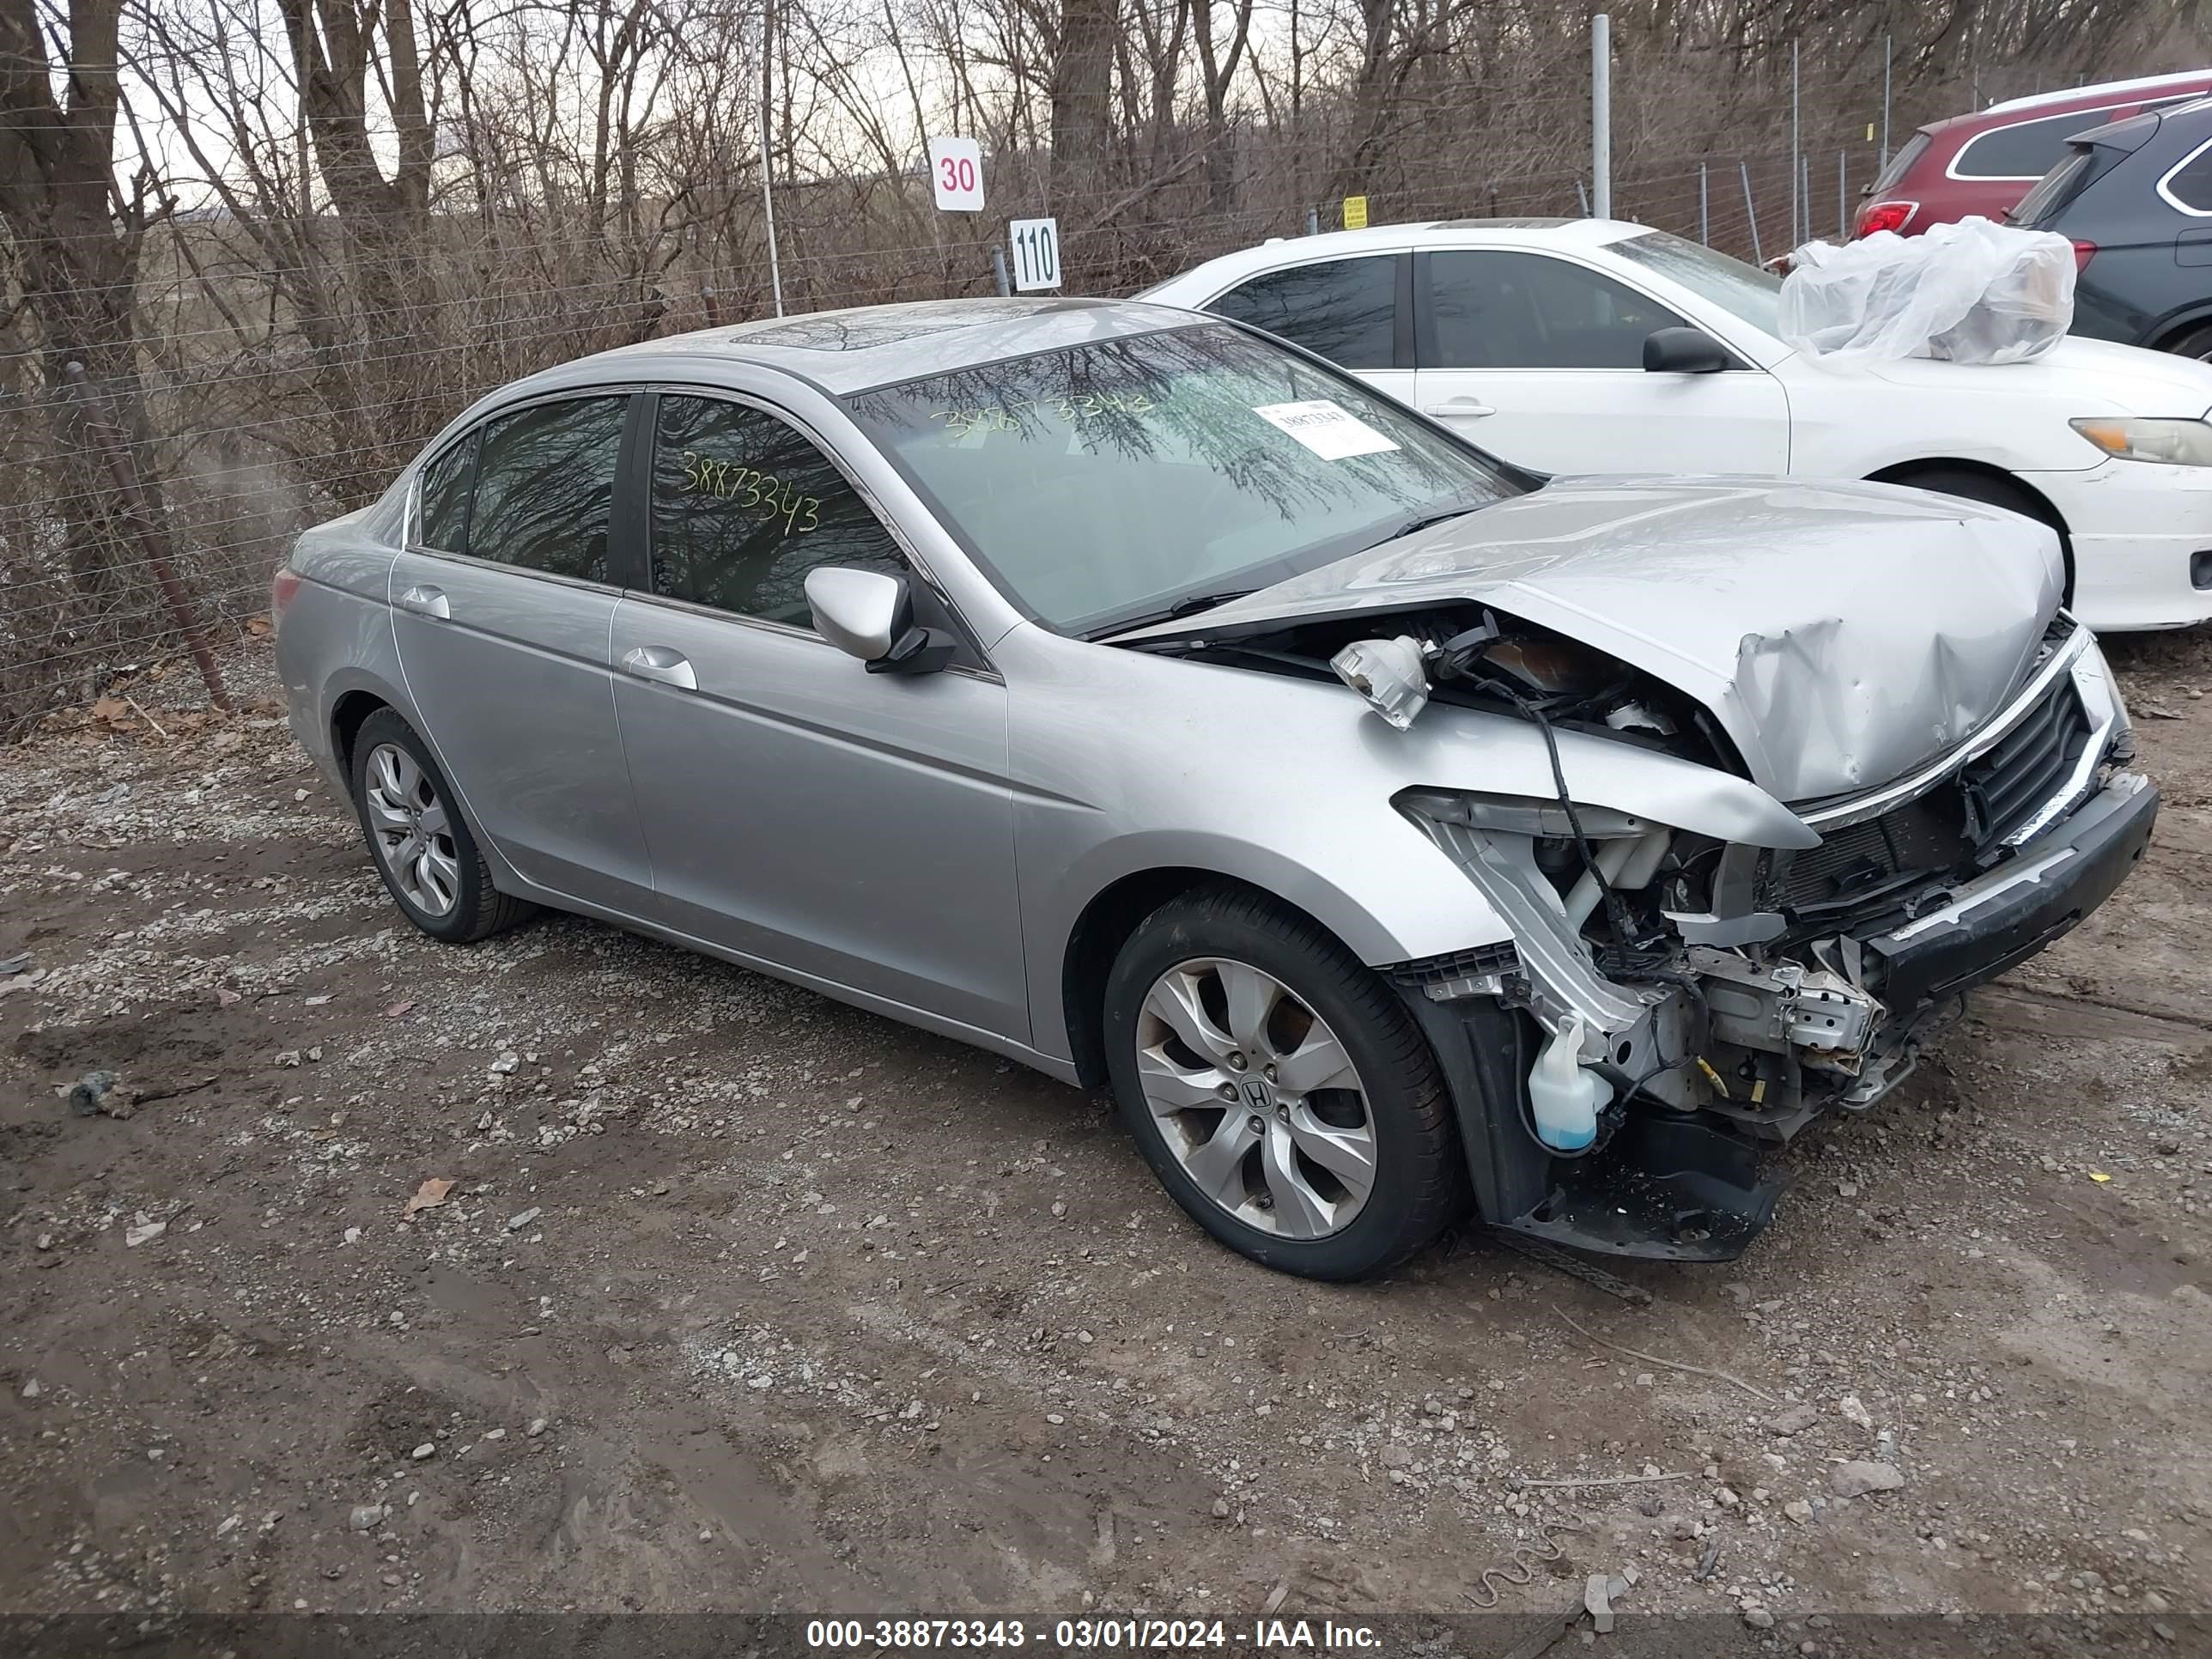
(1277, 1089)
(423, 849)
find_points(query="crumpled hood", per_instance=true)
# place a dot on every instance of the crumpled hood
(1841, 634)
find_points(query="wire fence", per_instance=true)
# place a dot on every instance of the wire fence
(157, 490)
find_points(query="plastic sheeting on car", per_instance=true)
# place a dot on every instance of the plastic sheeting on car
(1972, 292)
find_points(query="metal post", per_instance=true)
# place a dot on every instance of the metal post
(1705, 205)
(1888, 43)
(1804, 230)
(1601, 116)
(1842, 205)
(1757, 255)
(999, 271)
(1796, 189)
(767, 193)
(1582, 195)
(1313, 221)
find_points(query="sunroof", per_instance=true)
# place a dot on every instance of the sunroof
(881, 326)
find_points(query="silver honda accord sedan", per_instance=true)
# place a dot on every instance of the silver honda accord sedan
(1126, 692)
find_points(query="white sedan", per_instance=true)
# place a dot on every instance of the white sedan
(1589, 345)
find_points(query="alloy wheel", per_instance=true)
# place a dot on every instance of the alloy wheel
(410, 829)
(1255, 1098)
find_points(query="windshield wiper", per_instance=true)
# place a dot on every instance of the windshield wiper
(1186, 605)
(1424, 521)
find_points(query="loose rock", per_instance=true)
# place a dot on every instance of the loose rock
(1857, 1479)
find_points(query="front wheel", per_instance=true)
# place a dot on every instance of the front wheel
(1280, 1093)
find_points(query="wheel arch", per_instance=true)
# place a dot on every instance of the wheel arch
(1907, 472)
(349, 713)
(2162, 335)
(1104, 927)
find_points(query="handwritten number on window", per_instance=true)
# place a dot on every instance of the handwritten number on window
(751, 488)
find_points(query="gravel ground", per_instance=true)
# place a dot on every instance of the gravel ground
(740, 1299)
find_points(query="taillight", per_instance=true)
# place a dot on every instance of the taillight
(2083, 253)
(1886, 216)
(281, 589)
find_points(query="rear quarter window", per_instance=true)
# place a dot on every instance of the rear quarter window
(2025, 149)
(2189, 187)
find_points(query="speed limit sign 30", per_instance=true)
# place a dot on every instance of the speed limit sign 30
(956, 173)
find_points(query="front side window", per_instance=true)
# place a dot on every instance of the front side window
(1107, 484)
(1344, 310)
(745, 506)
(1743, 290)
(1495, 309)
(545, 485)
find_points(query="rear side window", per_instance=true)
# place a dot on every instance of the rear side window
(2189, 187)
(545, 485)
(445, 516)
(745, 506)
(2027, 150)
(1344, 310)
(1500, 310)
(1900, 165)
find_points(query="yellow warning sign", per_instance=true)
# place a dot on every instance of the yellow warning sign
(1355, 213)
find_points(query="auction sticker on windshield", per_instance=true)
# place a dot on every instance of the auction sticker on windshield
(1331, 432)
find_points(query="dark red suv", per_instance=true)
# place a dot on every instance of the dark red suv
(1983, 163)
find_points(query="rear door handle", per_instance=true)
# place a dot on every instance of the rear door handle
(664, 664)
(1465, 407)
(427, 602)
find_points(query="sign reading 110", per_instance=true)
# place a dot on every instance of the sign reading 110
(1036, 252)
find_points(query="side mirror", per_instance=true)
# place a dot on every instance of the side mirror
(869, 615)
(1683, 351)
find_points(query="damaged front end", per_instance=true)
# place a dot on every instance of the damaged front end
(1671, 1004)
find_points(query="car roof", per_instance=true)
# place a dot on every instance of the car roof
(2107, 95)
(1431, 232)
(2147, 84)
(851, 349)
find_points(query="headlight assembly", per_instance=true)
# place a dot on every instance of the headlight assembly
(2168, 442)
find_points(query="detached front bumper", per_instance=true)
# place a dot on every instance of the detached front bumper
(2005, 917)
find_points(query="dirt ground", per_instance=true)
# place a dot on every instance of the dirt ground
(740, 1299)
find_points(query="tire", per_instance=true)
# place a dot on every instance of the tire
(1967, 485)
(1247, 1172)
(421, 845)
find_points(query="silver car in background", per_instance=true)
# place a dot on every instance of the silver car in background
(1123, 691)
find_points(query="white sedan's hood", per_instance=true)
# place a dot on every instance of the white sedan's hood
(1842, 634)
(2092, 377)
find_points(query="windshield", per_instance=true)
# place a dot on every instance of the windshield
(1102, 484)
(1744, 290)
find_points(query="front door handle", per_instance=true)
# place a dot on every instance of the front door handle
(662, 665)
(427, 602)
(1466, 407)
